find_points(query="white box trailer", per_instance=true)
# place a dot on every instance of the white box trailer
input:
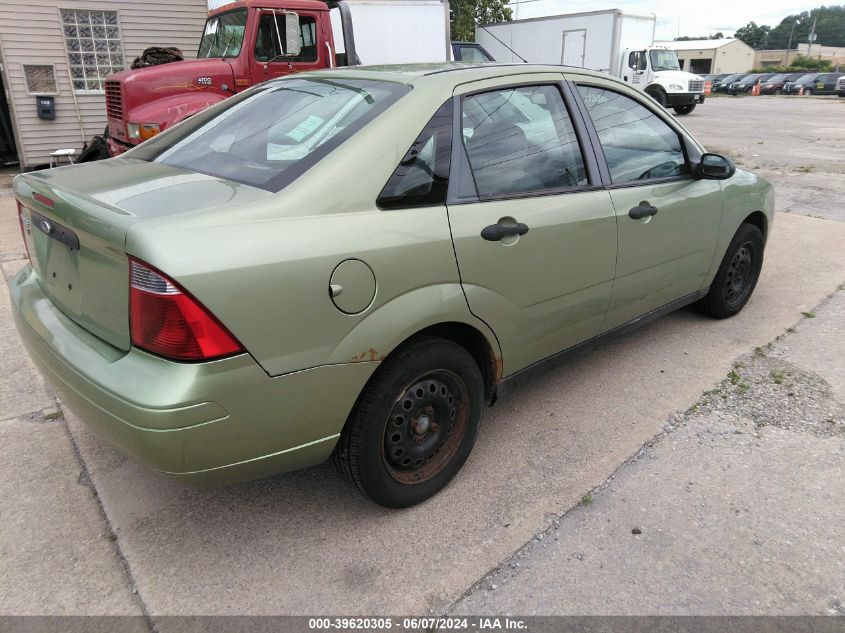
(397, 31)
(609, 41)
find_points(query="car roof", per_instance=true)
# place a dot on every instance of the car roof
(449, 72)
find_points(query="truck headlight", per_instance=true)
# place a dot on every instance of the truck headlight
(676, 86)
(142, 131)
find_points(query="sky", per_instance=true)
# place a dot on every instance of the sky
(684, 17)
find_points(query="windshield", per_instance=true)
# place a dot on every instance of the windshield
(223, 35)
(778, 78)
(663, 60)
(276, 132)
(807, 79)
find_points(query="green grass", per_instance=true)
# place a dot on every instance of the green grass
(587, 499)
(809, 315)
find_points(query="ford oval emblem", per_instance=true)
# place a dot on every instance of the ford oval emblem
(46, 226)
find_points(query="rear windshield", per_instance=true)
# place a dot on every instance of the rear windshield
(274, 133)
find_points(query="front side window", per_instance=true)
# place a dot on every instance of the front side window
(422, 176)
(638, 145)
(274, 133)
(268, 47)
(521, 140)
(94, 49)
(663, 60)
(223, 35)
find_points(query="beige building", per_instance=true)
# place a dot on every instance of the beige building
(713, 56)
(782, 57)
(60, 51)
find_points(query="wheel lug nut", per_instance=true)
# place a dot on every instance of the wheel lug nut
(434, 427)
(418, 439)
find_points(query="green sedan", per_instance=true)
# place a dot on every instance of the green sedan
(356, 262)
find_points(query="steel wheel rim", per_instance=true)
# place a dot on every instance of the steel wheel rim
(740, 271)
(425, 427)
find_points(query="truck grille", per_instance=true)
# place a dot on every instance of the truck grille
(696, 85)
(114, 100)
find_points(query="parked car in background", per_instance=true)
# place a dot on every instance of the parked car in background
(248, 293)
(840, 86)
(824, 84)
(720, 85)
(774, 85)
(470, 52)
(805, 83)
(746, 84)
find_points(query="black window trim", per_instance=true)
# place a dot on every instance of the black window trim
(381, 207)
(691, 153)
(460, 160)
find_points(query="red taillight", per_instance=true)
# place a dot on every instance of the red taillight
(23, 222)
(165, 320)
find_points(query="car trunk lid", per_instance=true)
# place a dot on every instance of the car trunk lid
(75, 222)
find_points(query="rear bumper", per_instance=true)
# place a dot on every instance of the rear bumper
(684, 98)
(215, 422)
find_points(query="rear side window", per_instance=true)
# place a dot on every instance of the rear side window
(422, 177)
(273, 134)
(521, 140)
(638, 145)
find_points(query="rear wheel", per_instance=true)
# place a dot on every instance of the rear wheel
(414, 425)
(685, 109)
(737, 275)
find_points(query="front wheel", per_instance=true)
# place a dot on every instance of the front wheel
(659, 96)
(808, 92)
(414, 425)
(685, 109)
(737, 275)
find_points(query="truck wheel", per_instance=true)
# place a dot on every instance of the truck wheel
(685, 109)
(414, 424)
(737, 275)
(658, 95)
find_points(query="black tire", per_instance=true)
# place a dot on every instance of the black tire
(414, 425)
(737, 275)
(685, 109)
(659, 96)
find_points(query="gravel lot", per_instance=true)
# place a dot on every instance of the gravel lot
(798, 143)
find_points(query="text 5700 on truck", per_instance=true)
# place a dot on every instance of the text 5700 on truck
(607, 41)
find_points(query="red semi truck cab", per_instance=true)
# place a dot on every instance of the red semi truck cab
(240, 47)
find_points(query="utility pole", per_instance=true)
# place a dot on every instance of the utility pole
(789, 46)
(812, 38)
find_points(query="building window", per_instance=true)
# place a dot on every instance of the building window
(94, 51)
(40, 79)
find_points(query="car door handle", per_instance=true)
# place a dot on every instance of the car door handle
(642, 210)
(496, 232)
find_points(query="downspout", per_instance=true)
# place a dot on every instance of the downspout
(352, 58)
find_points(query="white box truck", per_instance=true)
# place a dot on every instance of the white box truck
(609, 41)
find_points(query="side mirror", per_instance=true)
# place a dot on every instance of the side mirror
(715, 167)
(293, 47)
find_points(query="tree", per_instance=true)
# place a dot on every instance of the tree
(467, 13)
(752, 34)
(830, 29)
(686, 38)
